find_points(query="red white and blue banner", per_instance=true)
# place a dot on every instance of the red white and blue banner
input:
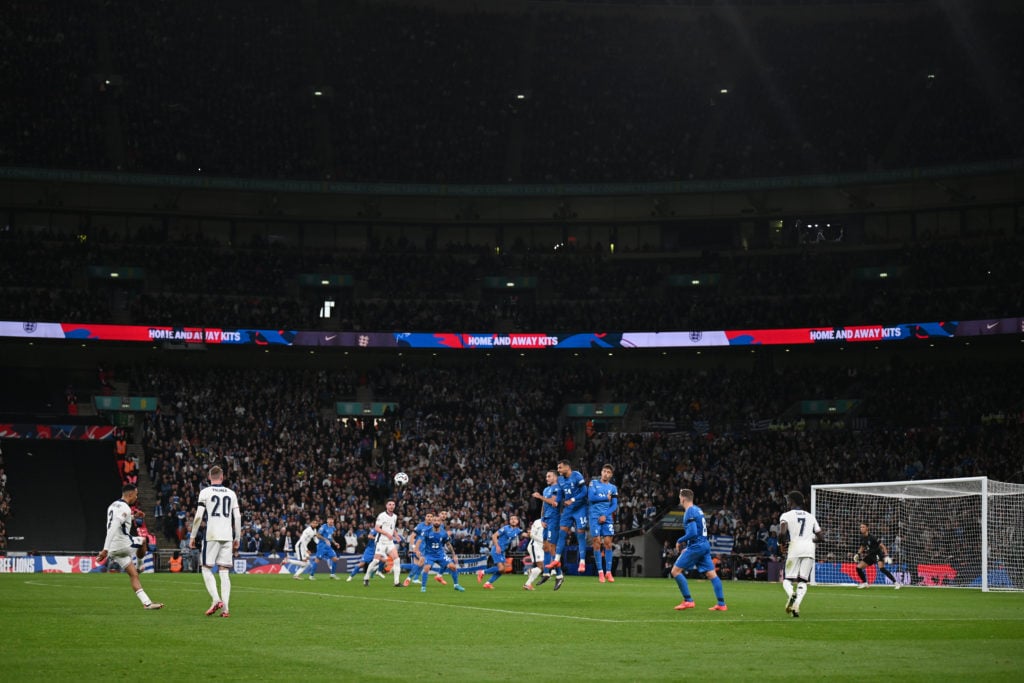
(837, 334)
(10, 430)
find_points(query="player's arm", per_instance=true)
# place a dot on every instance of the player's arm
(552, 501)
(236, 526)
(819, 534)
(496, 542)
(196, 521)
(783, 537)
(691, 531)
(680, 543)
(614, 507)
(451, 552)
(885, 553)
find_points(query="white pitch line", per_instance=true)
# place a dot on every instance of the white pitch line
(722, 620)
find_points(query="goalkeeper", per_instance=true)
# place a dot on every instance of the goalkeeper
(871, 552)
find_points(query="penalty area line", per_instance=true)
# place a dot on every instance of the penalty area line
(434, 604)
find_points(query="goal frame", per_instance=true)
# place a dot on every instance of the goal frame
(983, 490)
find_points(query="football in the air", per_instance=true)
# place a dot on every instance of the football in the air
(401, 479)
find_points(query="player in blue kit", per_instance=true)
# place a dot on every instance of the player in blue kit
(603, 497)
(418, 565)
(697, 554)
(501, 541)
(367, 558)
(572, 496)
(436, 547)
(325, 545)
(550, 514)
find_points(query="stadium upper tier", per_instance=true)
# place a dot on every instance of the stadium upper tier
(535, 92)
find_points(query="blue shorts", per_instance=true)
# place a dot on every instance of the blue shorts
(498, 557)
(551, 530)
(326, 553)
(574, 519)
(597, 529)
(696, 556)
(368, 554)
(440, 560)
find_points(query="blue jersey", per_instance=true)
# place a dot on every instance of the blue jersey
(415, 545)
(603, 498)
(572, 488)
(549, 513)
(433, 542)
(371, 547)
(695, 528)
(506, 535)
(327, 533)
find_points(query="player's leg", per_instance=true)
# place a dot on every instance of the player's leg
(225, 588)
(550, 538)
(563, 534)
(581, 542)
(596, 544)
(888, 574)
(372, 567)
(453, 571)
(803, 577)
(210, 581)
(679, 576)
(133, 576)
(704, 564)
(861, 567)
(789, 579)
(423, 576)
(495, 571)
(396, 566)
(609, 555)
(313, 564)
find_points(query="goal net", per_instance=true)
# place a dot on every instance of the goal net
(940, 532)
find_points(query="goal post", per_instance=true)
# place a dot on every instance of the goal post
(965, 532)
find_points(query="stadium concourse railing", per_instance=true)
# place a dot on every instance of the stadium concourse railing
(509, 190)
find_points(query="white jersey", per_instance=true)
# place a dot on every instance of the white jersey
(537, 531)
(536, 546)
(802, 527)
(308, 534)
(119, 527)
(219, 506)
(386, 522)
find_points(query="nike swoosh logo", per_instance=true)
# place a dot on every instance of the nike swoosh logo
(990, 326)
(330, 337)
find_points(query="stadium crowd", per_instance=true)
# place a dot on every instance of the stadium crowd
(385, 91)
(477, 440)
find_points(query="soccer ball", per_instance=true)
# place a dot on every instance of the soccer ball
(401, 479)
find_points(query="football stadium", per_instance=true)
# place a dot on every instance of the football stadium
(397, 339)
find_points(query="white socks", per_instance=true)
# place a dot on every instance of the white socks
(225, 587)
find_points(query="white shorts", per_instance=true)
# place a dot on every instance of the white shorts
(536, 552)
(799, 568)
(301, 552)
(122, 557)
(218, 553)
(384, 546)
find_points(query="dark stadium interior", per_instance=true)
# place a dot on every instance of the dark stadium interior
(184, 147)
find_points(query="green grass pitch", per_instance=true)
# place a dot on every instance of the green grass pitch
(91, 627)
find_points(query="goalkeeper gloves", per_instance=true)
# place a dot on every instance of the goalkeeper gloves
(888, 560)
(856, 557)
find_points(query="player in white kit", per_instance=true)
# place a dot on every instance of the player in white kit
(218, 505)
(302, 547)
(802, 531)
(535, 549)
(387, 544)
(120, 545)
